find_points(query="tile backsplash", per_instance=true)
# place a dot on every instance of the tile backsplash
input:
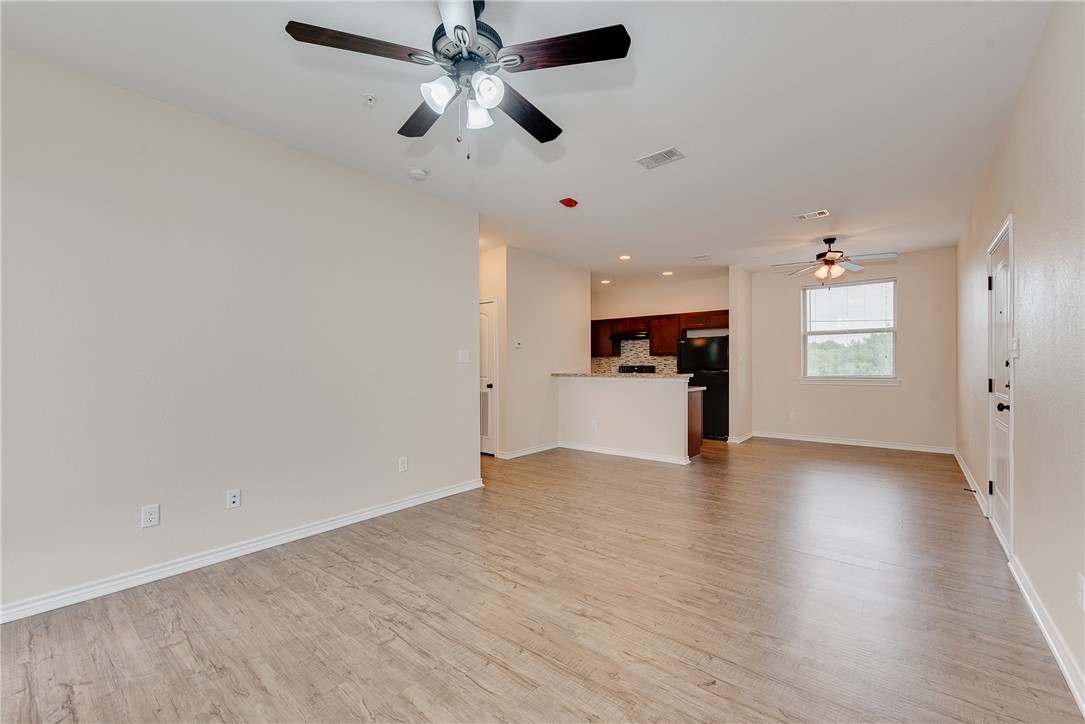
(634, 352)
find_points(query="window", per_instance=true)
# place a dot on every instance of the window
(849, 331)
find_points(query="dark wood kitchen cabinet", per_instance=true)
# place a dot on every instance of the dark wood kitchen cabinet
(631, 324)
(663, 335)
(695, 422)
(601, 346)
(701, 320)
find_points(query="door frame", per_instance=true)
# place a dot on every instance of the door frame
(1004, 234)
(495, 393)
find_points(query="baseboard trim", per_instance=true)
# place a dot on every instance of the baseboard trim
(740, 438)
(1071, 670)
(526, 451)
(860, 443)
(675, 459)
(104, 586)
(972, 483)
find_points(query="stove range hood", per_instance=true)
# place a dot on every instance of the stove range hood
(622, 336)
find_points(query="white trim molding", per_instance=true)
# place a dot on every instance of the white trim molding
(500, 455)
(860, 443)
(739, 438)
(1071, 670)
(112, 584)
(677, 460)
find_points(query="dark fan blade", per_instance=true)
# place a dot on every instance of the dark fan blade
(588, 46)
(849, 266)
(420, 121)
(530, 118)
(336, 39)
(803, 271)
(886, 255)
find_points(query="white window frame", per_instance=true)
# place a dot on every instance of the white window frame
(890, 379)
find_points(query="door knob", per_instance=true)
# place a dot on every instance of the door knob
(489, 385)
(1000, 407)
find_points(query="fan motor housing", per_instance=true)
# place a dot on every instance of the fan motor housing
(487, 45)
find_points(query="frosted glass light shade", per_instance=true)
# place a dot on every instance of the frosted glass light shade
(489, 89)
(822, 272)
(836, 270)
(477, 116)
(439, 93)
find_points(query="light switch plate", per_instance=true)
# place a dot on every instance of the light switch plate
(1015, 347)
(465, 356)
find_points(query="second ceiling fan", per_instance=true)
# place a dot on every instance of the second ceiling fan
(471, 54)
(832, 263)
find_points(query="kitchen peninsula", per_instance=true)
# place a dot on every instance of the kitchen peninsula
(633, 415)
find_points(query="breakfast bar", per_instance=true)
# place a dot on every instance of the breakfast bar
(633, 415)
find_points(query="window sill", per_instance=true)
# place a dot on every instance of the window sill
(867, 381)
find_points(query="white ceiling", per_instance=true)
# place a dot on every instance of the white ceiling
(885, 113)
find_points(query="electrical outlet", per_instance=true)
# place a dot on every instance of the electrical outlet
(792, 415)
(1081, 592)
(149, 516)
(233, 498)
(403, 464)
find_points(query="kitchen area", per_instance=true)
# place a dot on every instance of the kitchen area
(658, 387)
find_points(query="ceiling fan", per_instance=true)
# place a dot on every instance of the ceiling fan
(831, 263)
(471, 54)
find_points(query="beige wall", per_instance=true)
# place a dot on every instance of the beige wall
(666, 296)
(189, 308)
(1037, 175)
(545, 305)
(740, 354)
(918, 413)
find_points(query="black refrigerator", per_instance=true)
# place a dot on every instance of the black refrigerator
(706, 358)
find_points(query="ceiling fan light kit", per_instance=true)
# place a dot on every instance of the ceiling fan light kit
(439, 93)
(471, 55)
(477, 116)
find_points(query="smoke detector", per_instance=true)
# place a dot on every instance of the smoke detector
(660, 158)
(417, 174)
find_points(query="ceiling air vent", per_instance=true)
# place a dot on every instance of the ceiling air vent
(702, 257)
(659, 158)
(811, 215)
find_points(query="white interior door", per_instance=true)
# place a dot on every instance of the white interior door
(1000, 360)
(487, 373)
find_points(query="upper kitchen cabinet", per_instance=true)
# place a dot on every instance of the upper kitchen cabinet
(663, 333)
(631, 324)
(601, 346)
(701, 320)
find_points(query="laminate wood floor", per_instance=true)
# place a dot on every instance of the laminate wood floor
(767, 581)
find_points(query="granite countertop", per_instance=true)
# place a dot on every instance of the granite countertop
(626, 375)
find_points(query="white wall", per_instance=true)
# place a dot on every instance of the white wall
(740, 354)
(641, 418)
(545, 305)
(1037, 175)
(918, 413)
(666, 296)
(189, 308)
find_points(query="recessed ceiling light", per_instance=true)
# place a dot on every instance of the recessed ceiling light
(605, 281)
(624, 257)
(667, 274)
